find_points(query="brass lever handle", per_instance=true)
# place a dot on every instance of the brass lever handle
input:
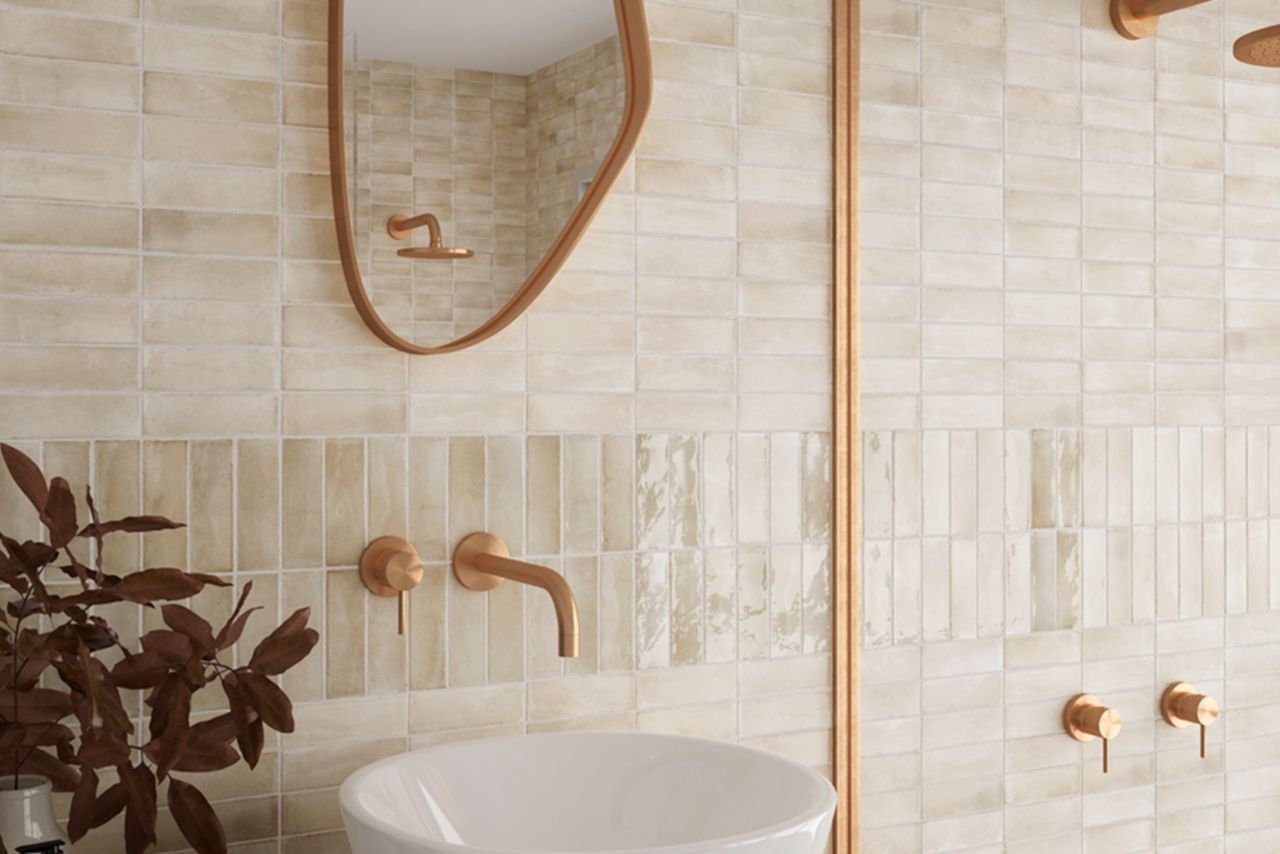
(390, 567)
(1183, 706)
(1085, 718)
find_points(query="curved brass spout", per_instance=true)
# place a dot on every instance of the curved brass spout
(482, 561)
(401, 226)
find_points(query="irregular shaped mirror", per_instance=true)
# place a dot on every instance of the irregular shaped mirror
(471, 143)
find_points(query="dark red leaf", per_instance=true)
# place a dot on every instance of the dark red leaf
(109, 804)
(251, 741)
(170, 728)
(63, 776)
(87, 599)
(140, 815)
(286, 646)
(132, 525)
(222, 641)
(38, 705)
(232, 631)
(48, 735)
(191, 624)
(211, 579)
(141, 671)
(296, 622)
(32, 666)
(171, 704)
(97, 523)
(104, 695)
(206, 754)
(152, 585)
(266, 698)
(11, 574)
(219, 728)
(241, 714)
(11, 736)
(102, 749)
(94, 636)
(173, 647)
(196, 819)
(59, 513)
(250, 736)
(30, 556)
(80, 820)
(27, 475)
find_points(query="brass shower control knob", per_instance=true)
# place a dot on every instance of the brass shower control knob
(1183, 706)
(390, 567)
(1085, 718)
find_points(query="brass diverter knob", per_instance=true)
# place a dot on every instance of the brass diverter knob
(390, 567)
(1085, 718)
(1183, 706)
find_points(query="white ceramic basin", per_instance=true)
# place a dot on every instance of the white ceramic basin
(578, 792)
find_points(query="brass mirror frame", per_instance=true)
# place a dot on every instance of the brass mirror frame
(633, 41)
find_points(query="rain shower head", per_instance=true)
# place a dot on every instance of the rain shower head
(1260, 47)
(436, 253)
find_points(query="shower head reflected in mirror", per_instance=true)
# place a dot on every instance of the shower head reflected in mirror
(1260, 47)
(401, 226)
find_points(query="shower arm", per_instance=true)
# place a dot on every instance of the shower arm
(400, 227)
(1137, 19)
(1156, 8)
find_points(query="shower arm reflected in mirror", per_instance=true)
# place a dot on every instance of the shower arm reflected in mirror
(400, 227)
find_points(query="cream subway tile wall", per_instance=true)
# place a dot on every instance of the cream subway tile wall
(175, 329)
(1071, 244)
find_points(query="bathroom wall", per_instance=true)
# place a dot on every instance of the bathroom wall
(174, 328)
(1072, 482)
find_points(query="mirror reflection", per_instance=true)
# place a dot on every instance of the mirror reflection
(472, 129)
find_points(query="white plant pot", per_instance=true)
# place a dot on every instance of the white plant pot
(26, 817)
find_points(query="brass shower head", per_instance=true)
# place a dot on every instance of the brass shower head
(436, 253)
(1260, 47)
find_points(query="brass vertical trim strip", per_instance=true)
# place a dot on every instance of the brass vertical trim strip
(847, 524)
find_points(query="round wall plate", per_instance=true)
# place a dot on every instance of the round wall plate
(1171, 695)
(1129, 25)
(464, 557)
(1069, 716)
(375, 556)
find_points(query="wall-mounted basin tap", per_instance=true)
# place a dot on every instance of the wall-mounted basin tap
(481, 562)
